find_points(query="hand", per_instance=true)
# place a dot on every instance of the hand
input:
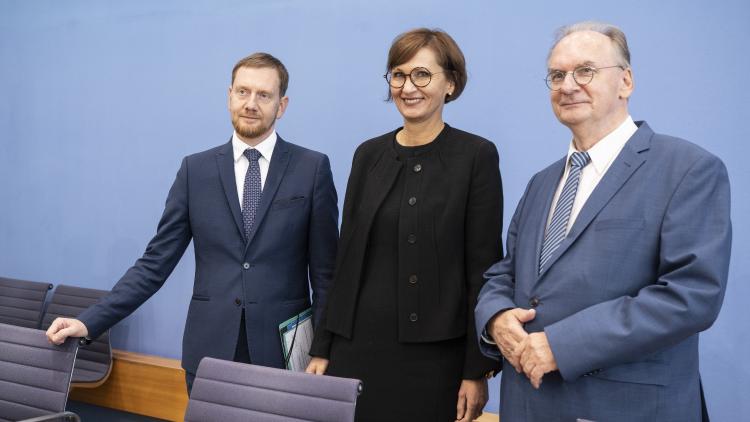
(63, 328)
(317, 366)
(507, 331)
(537, 358)
(472, 396)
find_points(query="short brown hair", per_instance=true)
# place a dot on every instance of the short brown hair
(449, 56)
(260, 59)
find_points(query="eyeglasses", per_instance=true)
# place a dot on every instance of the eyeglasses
(582, 75)
(419, 76)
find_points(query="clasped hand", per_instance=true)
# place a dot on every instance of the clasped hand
(528, 353)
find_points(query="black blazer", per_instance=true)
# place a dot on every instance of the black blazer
(456, 230)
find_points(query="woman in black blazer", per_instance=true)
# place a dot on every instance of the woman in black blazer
(421, 223)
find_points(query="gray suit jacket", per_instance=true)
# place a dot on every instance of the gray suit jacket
(622, 300)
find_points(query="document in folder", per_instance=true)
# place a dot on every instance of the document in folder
(296, 338)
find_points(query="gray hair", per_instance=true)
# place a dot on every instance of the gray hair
(612, 32)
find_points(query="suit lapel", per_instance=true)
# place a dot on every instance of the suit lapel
(625, 164)
(225, 162)
(276, 170)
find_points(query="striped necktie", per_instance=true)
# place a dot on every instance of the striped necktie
(252, 191)
(558, 227)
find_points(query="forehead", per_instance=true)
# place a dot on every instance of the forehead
(261, 78)
(580, 48)
(425, 57)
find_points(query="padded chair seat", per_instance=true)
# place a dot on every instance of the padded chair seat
(34, 374)
(230, 391)
(22, 301)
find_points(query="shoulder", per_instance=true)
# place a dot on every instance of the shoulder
(679, 151)
(376, 145)
(469, 139)
(300, 152)
(210, 153)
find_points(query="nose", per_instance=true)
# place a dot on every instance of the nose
(251, 103)
(569, 84)
(409, 86)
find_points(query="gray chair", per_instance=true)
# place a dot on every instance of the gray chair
(22, 302)
(229, 391)
(34, 374)
(94, 361)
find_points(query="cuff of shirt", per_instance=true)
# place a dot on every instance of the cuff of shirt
(486, 338)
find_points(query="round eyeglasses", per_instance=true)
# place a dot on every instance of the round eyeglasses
(582, 75)
(420, 77)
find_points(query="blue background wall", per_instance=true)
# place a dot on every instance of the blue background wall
(100, 100)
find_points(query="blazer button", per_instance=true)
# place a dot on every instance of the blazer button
(413, 279)
(237, 301)
(246, 266)
(412, 201)
(417, 168)
(413, 317)
(412, 239)
(534, 302)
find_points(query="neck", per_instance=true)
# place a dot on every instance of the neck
(585, 137)
(254, 141)
(419, 133)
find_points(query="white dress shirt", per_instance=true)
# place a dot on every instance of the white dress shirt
(241, 163)
(602, 154)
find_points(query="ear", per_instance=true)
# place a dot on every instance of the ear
(626, 84)
(283, 103)
(229, 98)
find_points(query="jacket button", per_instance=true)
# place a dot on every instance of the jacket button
(413, 279)
(237, 301)
(412, 201)
(246, 266)
(534, 302)
(417, 168)
(412, 239)
(413, 317)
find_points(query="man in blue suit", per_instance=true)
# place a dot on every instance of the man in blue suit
(263, 216)
(617, 257)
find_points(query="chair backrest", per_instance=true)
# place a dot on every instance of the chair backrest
(230, 391)
(21, 301)
(94, 360)
(34, 374)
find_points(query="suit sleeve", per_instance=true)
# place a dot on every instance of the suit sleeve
(498, 292)
(149, 272)
(323, 235)
(483, 245)
(686, 294)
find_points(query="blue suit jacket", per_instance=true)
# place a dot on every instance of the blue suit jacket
(622, 300)
(292, 247)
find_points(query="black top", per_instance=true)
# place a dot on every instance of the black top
(449, 233)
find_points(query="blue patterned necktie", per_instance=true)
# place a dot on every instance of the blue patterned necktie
(558, 227)
(252, 192)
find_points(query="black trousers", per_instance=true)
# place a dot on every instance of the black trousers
(241, 353)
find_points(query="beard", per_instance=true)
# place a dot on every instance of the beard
(251, 131)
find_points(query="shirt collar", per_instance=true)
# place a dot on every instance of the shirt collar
(605, 151)
(265, 147)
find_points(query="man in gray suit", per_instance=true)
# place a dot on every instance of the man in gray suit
(617, 257)
(262, 214)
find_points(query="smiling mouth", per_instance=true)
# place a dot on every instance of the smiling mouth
(411, 101)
